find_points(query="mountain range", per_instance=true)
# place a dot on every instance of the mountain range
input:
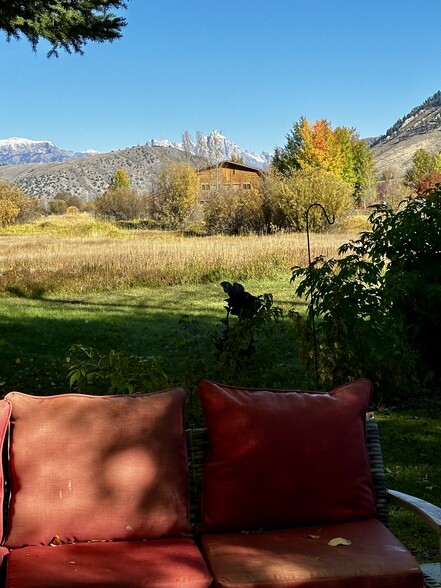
(42, 169)
(16, 151)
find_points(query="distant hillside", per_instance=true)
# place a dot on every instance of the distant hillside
(89, 177)
(420, 129)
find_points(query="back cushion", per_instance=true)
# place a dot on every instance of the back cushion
(285, 458)
(97, 468)
(5, 411)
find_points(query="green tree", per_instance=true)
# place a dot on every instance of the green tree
(422, 163)
(65, 24)
(176, 194)
(286, 159)
(364, 170)
(425, 172)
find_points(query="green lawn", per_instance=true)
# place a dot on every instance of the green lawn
(35, 335)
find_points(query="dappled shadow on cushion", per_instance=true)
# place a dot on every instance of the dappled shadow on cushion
(93, 468)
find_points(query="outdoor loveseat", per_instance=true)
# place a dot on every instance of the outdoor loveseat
(287, 489)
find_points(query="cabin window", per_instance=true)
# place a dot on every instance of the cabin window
(235, 186)
(205, 186)
(246, 186)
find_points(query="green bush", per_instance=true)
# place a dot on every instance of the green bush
(378, 306)
(115, 372)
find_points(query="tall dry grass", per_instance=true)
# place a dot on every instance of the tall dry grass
(42, 262)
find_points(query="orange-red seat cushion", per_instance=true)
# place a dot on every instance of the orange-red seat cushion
(285, 458)
(293, 558)
(163, 563)
(89, 467)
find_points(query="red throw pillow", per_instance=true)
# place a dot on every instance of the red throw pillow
(97, 468)
(282, 459)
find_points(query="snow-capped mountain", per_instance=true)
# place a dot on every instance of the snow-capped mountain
(215, 147)
(16, 150)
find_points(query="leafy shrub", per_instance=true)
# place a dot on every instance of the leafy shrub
(287, 199)
(236, 344)
(57, 206)
(115, 372)
(121, 204)
(378, 306)
(234, 212)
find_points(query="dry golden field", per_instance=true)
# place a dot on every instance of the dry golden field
(70, 255)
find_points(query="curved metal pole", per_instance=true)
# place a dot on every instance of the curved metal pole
(330, 222)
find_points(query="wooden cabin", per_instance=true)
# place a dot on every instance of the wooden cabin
(228, 174)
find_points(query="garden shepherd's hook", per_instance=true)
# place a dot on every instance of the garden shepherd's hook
(330, 222)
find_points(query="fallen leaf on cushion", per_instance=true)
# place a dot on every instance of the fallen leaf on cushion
(313, 536)
(56, 542)
(339, 541)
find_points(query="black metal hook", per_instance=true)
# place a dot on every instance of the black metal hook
(330, 222)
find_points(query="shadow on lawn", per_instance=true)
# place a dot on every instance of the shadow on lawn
(34, 340)
(35, 337)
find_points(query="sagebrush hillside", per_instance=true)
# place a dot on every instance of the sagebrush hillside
(419, 129)
(91, 176)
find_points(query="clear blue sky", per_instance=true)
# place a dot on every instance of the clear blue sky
(248, 68)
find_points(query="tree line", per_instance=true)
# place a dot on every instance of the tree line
(318, 163)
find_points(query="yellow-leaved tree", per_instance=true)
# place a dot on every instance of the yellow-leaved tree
(15, 206)
(176, 193)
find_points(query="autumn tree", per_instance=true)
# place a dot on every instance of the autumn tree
(120, 179)
(65, 24)
(176, 193)
(16, 206)
(317, 146)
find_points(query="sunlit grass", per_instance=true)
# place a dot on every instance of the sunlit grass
(72, 254)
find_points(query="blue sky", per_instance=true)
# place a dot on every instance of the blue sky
(248, 68)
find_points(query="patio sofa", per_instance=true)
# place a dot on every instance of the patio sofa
(287, 490)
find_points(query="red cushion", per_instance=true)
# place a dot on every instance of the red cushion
(160, 563)
(89, 467)
(5, 412)
(290, 559)
(285, 458)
